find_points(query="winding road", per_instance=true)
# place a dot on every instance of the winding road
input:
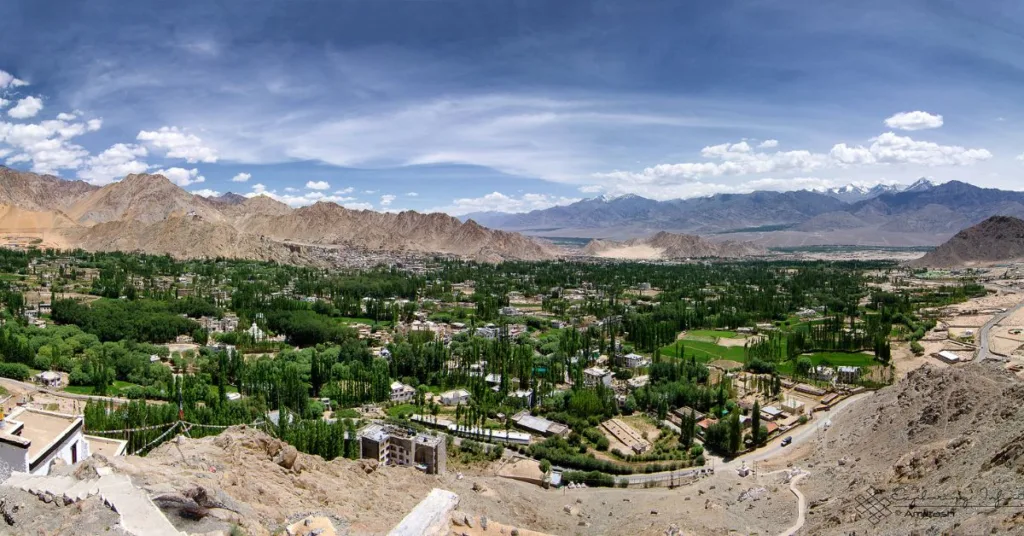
(984, 352)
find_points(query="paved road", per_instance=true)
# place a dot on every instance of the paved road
(984, 352)
(774, 448)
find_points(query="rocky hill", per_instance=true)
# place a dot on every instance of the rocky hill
(997, 239)
(665, 245)
(948, 441)
(149, 213)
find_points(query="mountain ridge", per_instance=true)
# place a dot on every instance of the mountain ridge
(997, 239)
(149, 213)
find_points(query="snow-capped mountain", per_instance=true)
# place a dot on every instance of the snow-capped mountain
(852, 193)
(920, 185)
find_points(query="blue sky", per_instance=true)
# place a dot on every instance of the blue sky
(465, 105)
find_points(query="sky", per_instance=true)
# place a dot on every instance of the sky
(463, 105)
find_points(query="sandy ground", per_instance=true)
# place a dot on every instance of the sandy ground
(1006, 343)
(639, 252)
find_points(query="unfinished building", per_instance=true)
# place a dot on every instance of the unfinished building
(393, 445)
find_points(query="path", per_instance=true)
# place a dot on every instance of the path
(138, 514)
(801, 516)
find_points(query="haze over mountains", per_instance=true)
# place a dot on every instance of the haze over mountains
(149, 213)
(665, 245)
(923, 214)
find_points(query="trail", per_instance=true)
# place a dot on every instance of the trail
(801, 506)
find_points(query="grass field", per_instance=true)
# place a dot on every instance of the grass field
(714, 333)
(87, 389)
(835, 359)
(705, 352)
(402, 409)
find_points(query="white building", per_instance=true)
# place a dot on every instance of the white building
(455, 397)
(793, 406)
(947, 357)
(256, 333)
(401, 392)
(633, 360)
(49, 378)
(31, 440)
(849, 374)
(595, 375)
(823, 373)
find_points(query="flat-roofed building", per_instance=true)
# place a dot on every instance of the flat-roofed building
(540, 425)
(597, 375)
(392, 445)
(31, 440)
(455, 397)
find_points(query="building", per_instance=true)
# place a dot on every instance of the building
(539, 425)
(823, 373)
(793, 406)
(49, 378)
(632, 360)
(637, 382)
(771, 413)
(31, 440)
(401, 392)
(454, 398)
(626, 435)
(677, 415)
(848, 374)
(947, 357)
(597, 375)
(256, 333)
(392, 445)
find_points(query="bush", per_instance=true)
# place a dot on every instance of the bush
(15, 371)
(591, 478)
(916, 348)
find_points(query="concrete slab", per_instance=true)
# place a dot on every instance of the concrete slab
(431, 517)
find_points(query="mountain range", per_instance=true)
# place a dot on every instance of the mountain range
(149, 213)
(923, 214)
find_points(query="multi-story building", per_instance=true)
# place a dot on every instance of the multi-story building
(392, 445)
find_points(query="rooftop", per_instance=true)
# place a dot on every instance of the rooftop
(41, 428)
(106, 446)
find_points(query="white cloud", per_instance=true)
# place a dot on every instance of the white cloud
(387, 199)
(412, 194)
(27, 107)
(345, 191)
(591, 189)
(46, 144)
(317, 185)
(64, 116)
(4, 102)
(179, 144)
(1020, 157)
(768, 144)
(241, 177)
(290, 189)
(181, 176)
(369, 192)
(914, 121)
(8, 80)
(206, 192)
(308, 198)
(890, 148)
(94, 124)
(497, 201)
(114, 164)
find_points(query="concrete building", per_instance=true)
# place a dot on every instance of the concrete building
(632, 360)
(539, 425)
(848, 374)
(595, 375)
(455, 397)
(771, 413)
(823, 373)
(392, 445)
(401, 392)
(947, 357)
(793, 406)
(31, 439)
(49, 378)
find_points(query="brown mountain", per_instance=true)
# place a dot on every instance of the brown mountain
(997, 239)
(666, 245)
(151, 214)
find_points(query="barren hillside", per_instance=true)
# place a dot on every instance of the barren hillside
(950, 441)
(149, 213)
(997, 239)
(666, 245)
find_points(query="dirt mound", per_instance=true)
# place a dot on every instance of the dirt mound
(933, 450)
(997, 239)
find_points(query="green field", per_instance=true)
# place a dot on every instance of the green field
(705, 352)
(87, 389)
(357, 320)
(713, 333)
(403, 409)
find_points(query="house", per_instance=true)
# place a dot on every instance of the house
(392, 445)
(678, 414)
(637, 382)
(632, 360)
(401, 392)
(522, 394)
(256, 333)
(49, 378)
(793, 406)
(704, 424)
(493, 379)
(232, 396)
(771, 413)
(32, 439)
(455, 397)
(597, 375)
(848, 374)
(823, 373)
(947, 357)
